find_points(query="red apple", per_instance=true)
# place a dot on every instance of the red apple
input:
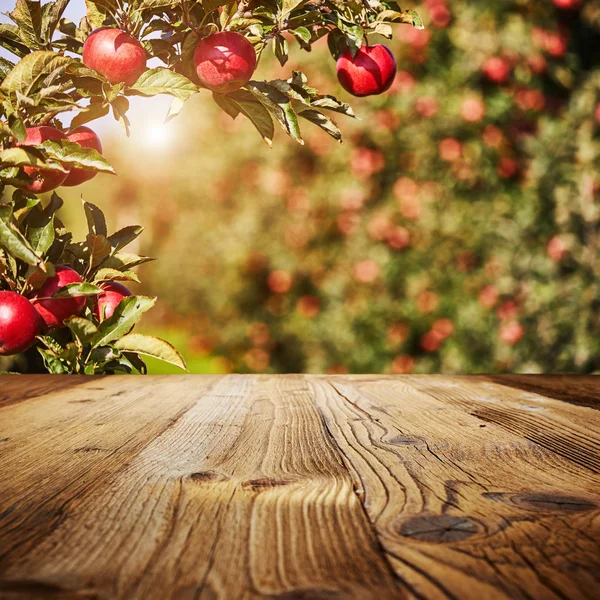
(370, 72)
(567, 4)
(19, 323)
(224, 61)
(109, 299)
(496, 69)
(115, 54)
(86, 138)
(43, 180)
(472, 109)
(54, 312)
(511, 333)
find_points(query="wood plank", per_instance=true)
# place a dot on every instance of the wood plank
(573, 432)
(242, 496)
(467, 508)
(14, 388)
(68, 443)
(583, 390)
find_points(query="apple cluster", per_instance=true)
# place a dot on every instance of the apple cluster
(22, 318)
(225, 61)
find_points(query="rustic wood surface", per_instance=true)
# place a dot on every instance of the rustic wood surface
(299, 487)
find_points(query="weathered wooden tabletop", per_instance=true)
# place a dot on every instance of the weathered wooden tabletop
(299, 487)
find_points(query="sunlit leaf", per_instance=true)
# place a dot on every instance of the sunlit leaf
(150, 346)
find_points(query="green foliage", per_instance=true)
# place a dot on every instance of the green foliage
(32, 241)
(45, 82)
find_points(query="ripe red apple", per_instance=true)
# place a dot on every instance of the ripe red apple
(43, 180)
(224, 61)
(115, 54)
(370, 72)
(57, 310)
(86, 138)
(109, 299)
(19, 323)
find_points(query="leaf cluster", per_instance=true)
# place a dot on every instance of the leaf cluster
(33, 240)
(49, 78)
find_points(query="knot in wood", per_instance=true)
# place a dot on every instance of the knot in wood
(439, 528)
(208, 476)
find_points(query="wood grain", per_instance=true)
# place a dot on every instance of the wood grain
(299, 487)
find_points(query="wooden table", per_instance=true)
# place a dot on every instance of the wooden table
(299, 487)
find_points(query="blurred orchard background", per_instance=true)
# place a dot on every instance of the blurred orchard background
(455, 230)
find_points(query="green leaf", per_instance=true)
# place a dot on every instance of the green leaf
(252, 108)
(163, 81)
(123, 261)
(27, 157)
(128, 312)
(120, 106)
(325, 123)
(101, 7)
(51, 15)
(17, 128)
(303, 35)
(23, 206)
(115, 275)
(53, 365)
(5, 67)
(82, 329)
(95, 219)
(279, 105)
(76, 290)
(98, 248)
(13, 241)
(71, 153)
(353, 33)
(124, 236)
(331, 103)
(384, 29)
(227, 105)
(31, 71)
(287, 6)
(405, 16)
(51, 344)
(280, 49)
(40, 230)
(93, 111)
(27, 15)
(140, 5)
(12, 41)
(150, 346)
